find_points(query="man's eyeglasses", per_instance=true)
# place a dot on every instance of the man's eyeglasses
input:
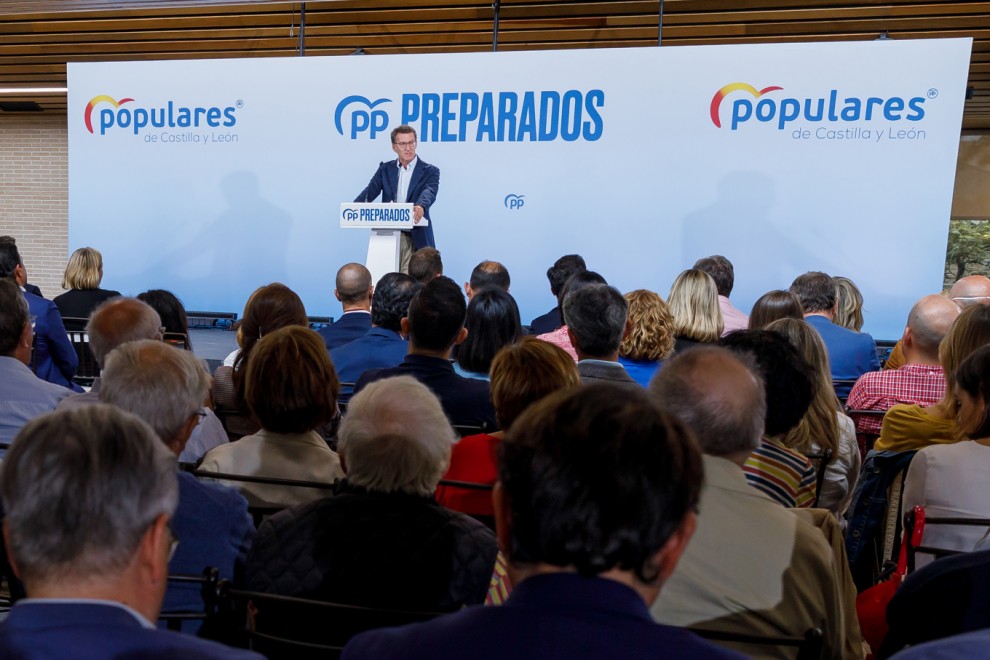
(405, 145)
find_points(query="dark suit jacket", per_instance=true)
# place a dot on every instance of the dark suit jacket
(80, 303)
(346, 329)
(93, 631)
(546, 617)
(423, 186)
(30, 288)
(467, 401)
(850, 353)
(548, 322)
(598, 371)
(54, 359)
(378, 349)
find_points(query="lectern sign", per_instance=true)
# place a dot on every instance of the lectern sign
(377, 216)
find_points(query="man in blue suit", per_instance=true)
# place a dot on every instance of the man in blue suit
(354, 292)
(850, 354)
(594, 504)
(383, 345)
(407, 180)
(89, 495)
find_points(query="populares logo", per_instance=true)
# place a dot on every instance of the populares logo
(169, 115)
(502, 116)
(750, 103)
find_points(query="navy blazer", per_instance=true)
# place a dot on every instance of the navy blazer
(851, 354)
(350, 326)
(95, 631)
(546, 617)
(54, 359)
(466, 401)
(545, 323)
(377, 349)
(423, 186)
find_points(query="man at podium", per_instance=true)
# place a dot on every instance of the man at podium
(411, 180)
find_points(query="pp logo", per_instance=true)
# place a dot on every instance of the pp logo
(514, 201)
(364, 118)
(350, 214)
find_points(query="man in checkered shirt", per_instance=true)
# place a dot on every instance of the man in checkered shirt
(921, 379)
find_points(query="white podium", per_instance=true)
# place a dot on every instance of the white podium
(385, 221)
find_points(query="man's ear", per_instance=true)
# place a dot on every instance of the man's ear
(503, 518)
(404, 327)
(467, 290)
(6, 542)
(153, 550)
(371, 292)
(570, 336)
(461, 336)
(336, 295)
(629, 328)
(907, 339)
(667, 557)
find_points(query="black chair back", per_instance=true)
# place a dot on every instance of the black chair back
(936, 552)
(88, 370)
(820, 460)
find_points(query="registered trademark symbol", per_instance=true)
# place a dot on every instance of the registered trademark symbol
(240, 103)
(932, 93)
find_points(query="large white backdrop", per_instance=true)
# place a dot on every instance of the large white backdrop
(213, 177)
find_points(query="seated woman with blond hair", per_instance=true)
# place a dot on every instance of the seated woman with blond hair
(824, 426)
(693, 302)
(650, 338)
(291, 388)
(83, 275)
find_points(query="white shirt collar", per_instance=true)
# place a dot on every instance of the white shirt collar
(410, 167)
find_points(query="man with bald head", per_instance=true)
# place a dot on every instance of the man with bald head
(354, 291)
(119, 321)
(753, 567)
(920, 379)
(967, 291)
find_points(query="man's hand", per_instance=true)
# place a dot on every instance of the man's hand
(417, 214)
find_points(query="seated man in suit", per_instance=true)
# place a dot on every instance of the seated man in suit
(23, 396)
(21, 276)
(487, 273)
(383, 345)
(558, 274)
(753, 567)
(122, 320)
(354, 292)
(166, 388)
(54, 358)
(434, 325)
(89, 496)
(596, 323)
(594, 505)
(850, 354)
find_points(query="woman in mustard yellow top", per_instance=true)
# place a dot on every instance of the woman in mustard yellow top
(913, 427)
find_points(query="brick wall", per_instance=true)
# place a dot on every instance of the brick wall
(34, 194)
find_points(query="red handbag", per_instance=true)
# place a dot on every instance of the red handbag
(871, 604)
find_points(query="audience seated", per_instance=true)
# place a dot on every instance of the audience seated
(425, 264)
(650, 338)
(920, 380)
(824, 426)
(913, 426)
(558, 274)
(596, 323)
(383, 345)
(848, 304)
(966, 292)
(774, 305)
(269, 308)
(559, 337)
(83, 275)
(166, 388)
(783, 474)
(170, 310)
(121, 320)
(381, 540)
(23, 396)
(594, 505)
(492, 322)
(521, 374)
(291, 388)
(354, 292)
(21, 275)
(434, 325)
(693, 302)
(950, 480)
(752, 567)
(89, 496)
(53, 359)
(722, 272)
(851, 354)
(485, 274)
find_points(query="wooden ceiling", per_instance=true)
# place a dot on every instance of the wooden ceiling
(38, 38)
